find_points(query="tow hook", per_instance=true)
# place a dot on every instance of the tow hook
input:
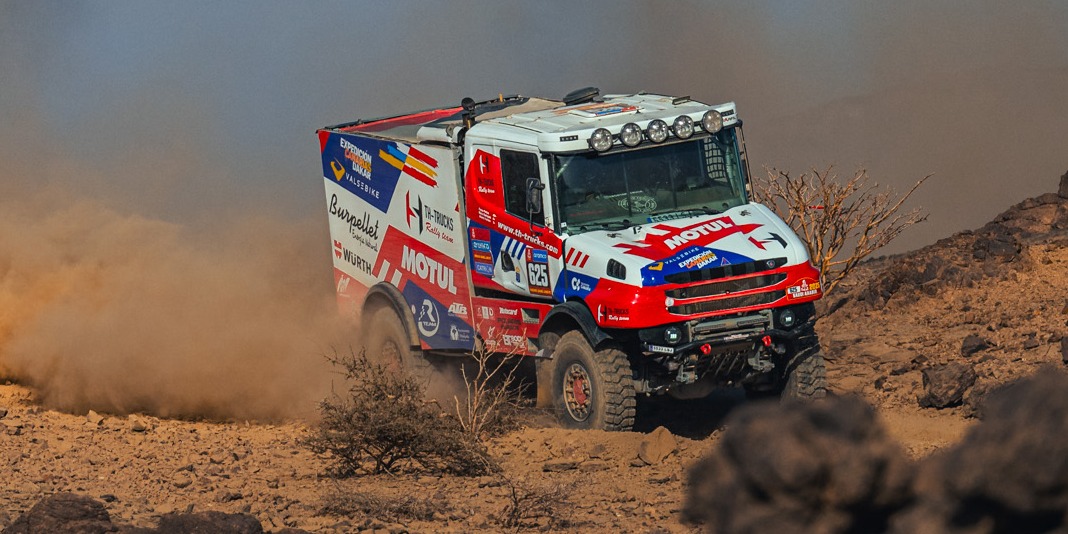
(760, 361)
(688, 370)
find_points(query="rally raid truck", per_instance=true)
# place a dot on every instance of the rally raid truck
(610, 237)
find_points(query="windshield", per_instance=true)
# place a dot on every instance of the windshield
(660, 182)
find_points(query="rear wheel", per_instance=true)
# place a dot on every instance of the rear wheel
(387, 342)
(591, 389)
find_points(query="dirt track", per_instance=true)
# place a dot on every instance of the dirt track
(877, 346)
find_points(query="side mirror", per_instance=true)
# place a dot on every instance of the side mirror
(534, 188)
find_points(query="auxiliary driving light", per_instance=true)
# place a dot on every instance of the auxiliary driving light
(672, 335)
(683, 127)
(657, 131)
(631, 134)
(712, 121)
(787, 318)
(601, 140)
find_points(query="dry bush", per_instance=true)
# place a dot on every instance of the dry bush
(388, 508)
(542, 506)
(490, 404)
(383, 423)
(841, 222)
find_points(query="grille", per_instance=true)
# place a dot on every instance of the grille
(725, 271)
(731, 286)
(727, 303)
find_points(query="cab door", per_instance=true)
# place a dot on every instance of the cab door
(511, 247)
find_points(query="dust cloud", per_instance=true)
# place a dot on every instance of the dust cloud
(122, 313)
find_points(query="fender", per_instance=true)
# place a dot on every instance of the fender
(574, 312)
(386, 294)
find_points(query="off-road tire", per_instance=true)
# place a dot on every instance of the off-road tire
(592, 389)
(800, 375)
(806, 372)
(387, 342)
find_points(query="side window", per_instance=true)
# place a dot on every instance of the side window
(516, 167)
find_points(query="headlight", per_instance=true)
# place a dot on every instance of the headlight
(631, 134)
(657, 131)
(683, 127)
(712, 121)
(601, 140)
(672, 335)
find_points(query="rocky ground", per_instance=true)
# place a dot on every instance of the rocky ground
(991, 302)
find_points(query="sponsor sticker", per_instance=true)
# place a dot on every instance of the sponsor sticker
(427, 318)
(538, 272)
(458, 309)
(806, 288)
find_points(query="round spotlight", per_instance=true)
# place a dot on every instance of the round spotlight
(601, 140)
(657, 131)
(787, 319)
(672, 335)
(712, 121)
(631, 134)
(683, 127)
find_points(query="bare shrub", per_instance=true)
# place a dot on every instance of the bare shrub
(841, 222)
(530, 505)
(490, 404)
(388, 508)
(383, 423)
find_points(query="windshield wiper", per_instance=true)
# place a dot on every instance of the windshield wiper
(686, 212)
(607, 225)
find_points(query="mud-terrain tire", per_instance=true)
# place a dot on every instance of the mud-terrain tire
(592, 389)
(387, 342)
(801, 376)
(806, 371)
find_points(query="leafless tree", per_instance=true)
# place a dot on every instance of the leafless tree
(488, 403)
(841, 221)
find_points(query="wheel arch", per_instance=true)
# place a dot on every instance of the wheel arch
(570, 315)
(385, 294)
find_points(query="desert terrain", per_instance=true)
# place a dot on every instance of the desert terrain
(992, 300)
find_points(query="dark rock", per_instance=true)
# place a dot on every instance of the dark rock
(821, 467)
(213, 522)
(1063, 191)
(1064, 350)
(1030, 343)
(973, 344)
(944, 385)
(556, 466)
(63, 512)
(1008, 474)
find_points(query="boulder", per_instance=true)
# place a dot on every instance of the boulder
(973, 344)
(826, 466)
(1008, 474)
(63, 512)
(214, 522)
(945, 385)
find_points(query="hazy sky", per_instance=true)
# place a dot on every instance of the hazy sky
(196, 112)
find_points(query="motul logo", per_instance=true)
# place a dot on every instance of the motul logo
(695, 233)
(426, 268)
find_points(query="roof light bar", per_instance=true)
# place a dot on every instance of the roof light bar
(657, 131)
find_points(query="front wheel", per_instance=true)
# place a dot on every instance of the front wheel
(802, 374)
(592, 389)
